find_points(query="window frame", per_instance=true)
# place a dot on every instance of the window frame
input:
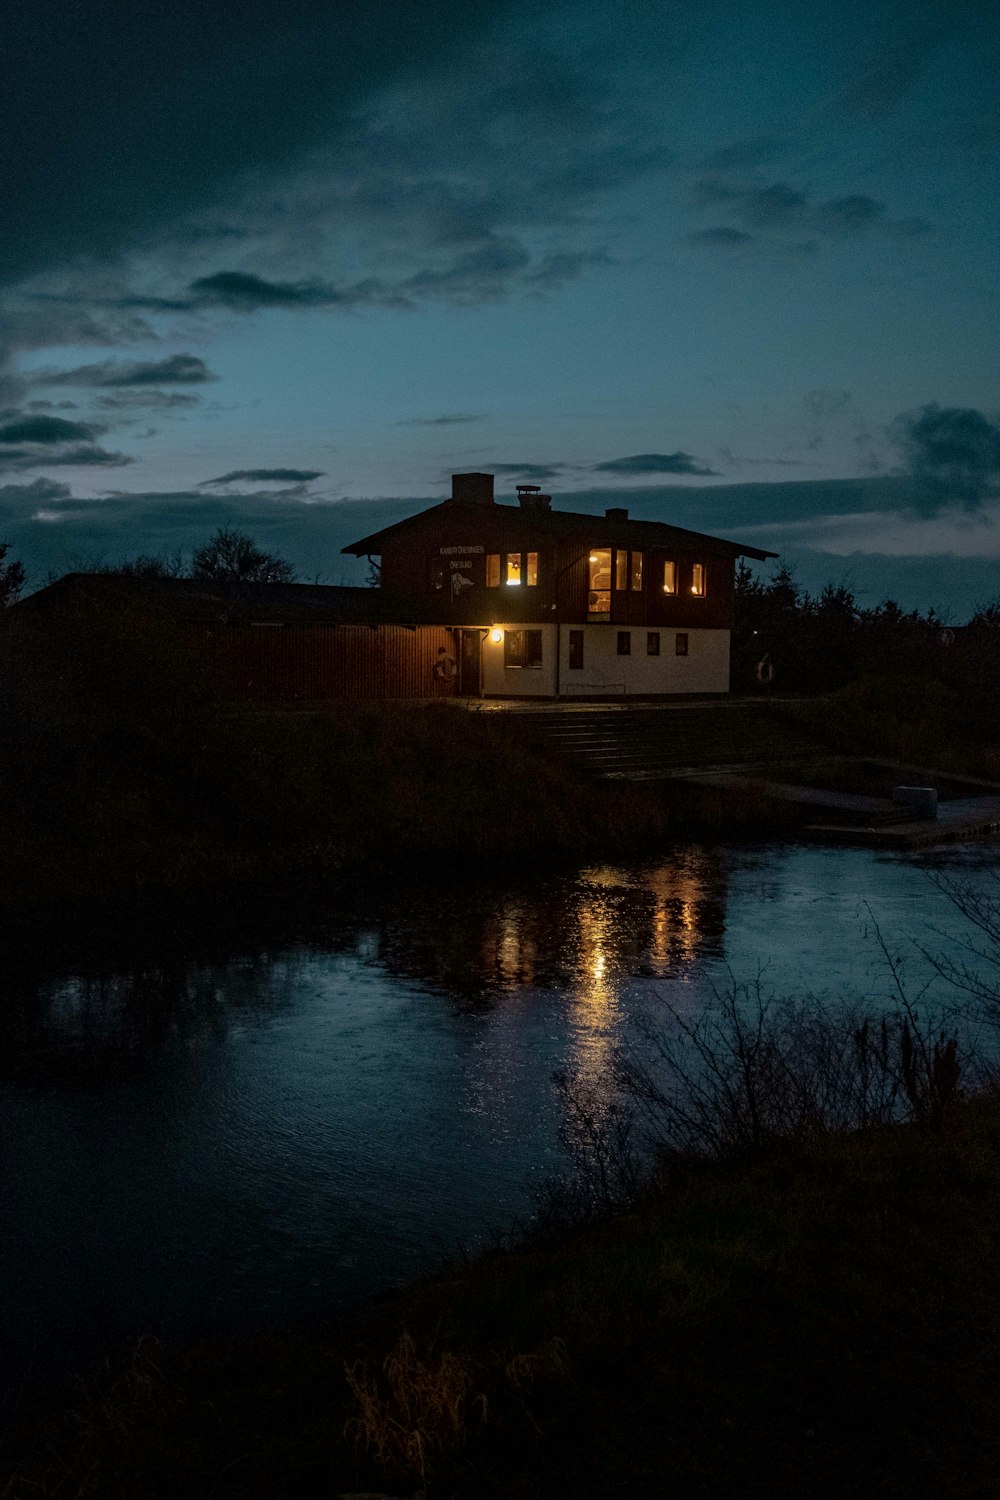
(531, 570)
(699, 581)
(682, 643)
(576, 649)
(493, 570)
(523, 650)
(624, 643)
(593, 592)
(513, 563)
(635, 571)
(670, 572)
(652, 643)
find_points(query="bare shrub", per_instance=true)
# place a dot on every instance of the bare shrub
(414, 1410)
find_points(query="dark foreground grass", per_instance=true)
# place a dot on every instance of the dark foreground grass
(824, 1321)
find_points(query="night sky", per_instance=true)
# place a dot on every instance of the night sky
(286, 267)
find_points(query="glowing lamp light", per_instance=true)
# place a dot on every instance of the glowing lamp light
(496, 636)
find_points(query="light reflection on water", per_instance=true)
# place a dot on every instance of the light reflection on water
(204, 1129)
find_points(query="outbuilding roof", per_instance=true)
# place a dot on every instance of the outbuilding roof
(246, 603)
(581, 525)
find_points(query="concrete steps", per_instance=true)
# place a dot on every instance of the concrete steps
(651, 742)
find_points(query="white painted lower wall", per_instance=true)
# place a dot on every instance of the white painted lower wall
(705, 669)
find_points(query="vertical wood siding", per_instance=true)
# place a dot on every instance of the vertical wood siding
(313, 663)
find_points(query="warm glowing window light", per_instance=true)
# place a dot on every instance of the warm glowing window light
(493, 570)
(599, 600)
(514, 568)
(621, 570)
(698, 580)
(532, 578)
(637, 572)
(670, 578)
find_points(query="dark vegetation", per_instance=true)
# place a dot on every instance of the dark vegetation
(769, 1271)
(881, 681)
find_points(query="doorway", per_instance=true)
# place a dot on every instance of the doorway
(470, 664)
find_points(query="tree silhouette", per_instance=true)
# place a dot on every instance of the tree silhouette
(11, 577)
(233, 557)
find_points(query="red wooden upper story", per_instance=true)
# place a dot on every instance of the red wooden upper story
(470, 561)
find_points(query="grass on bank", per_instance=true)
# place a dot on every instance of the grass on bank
(784, 1308)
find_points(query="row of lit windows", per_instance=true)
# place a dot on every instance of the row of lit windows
(620, 568)
(516, 566)
(627, 577)
(523, 648)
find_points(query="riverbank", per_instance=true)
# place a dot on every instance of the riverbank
(135, 809)
(821, 1320)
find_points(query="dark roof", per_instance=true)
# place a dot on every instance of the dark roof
(251, 603)
(589, 529)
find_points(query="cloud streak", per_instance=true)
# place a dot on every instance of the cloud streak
(266, 476)
(176, 369)
(654, 463)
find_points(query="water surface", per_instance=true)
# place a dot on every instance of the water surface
(283, 1108)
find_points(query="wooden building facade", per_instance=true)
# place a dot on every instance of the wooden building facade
(557, 604)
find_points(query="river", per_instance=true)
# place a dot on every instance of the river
(274, 1112)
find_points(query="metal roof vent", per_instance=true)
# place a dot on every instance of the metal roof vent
(530, 497)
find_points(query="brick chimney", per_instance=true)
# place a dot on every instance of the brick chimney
(472, 489)
(616, 513)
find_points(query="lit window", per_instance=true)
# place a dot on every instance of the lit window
(653, 643)
(522, 648)
(681, 644)
(637, 572)
(513, 568)
(624, 643)
(698, 580)
(532, 571)
(492, 570)
(621, 570)
(576, 650)
(599, 601)
(670, 578)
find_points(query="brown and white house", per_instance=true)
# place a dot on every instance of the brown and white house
(478, 600)
(542, 603)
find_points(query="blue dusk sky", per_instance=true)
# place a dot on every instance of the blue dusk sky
(731, 264)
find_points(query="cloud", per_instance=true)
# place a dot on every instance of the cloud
(85, 455)
(243, 92)
(653, 463)
(41, 442)
(447, 419)
(25, 497)
(779, 209)
(952, 454)
(824, 402)
(46, 430)
(243, 292)
(528, 471)
(722, 236)
(176, 369)
(145, 400)
(264, 476)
